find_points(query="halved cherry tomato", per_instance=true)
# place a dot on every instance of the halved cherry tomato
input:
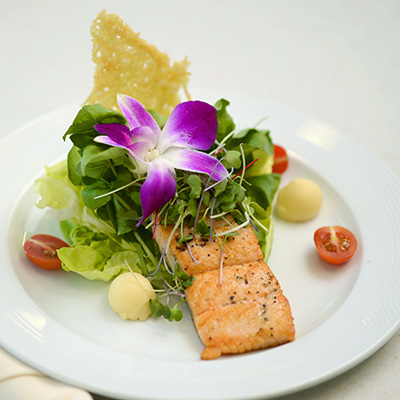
(280, 160)
(335, 244)
(41, 250)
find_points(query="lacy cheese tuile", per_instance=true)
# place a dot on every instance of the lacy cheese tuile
(127, 64)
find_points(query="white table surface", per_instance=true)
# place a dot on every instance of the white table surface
(336, 61)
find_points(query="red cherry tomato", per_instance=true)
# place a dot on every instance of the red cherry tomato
(41, 250)
(335, 244)
(280, 160)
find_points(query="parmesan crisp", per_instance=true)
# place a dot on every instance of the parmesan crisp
(127, 64)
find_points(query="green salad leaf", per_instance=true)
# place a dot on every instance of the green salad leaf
(82, 130)
(225, 121)
(261, 189)
(97, 255)
(63, 200)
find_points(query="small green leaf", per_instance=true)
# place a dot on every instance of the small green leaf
(262, 189)
(176, 314)
(259, 212)
(123, 225)
(228, 206)
(135, 197)
(185, 279)
(194, 182)
(96, 159)
(166, 312)
(202, 227)
(239, 197)
(156, 308)
(74, 166)
(181, 207)
(206, 198)
(225, 121)
(252, 139)
(220, 187)
(193, 206)
(233, 158)
(159, 118)
(184, 239)
(227, 197)
(89, 194)
(82, 130)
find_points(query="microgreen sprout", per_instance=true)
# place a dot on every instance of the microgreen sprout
(242, 170)
(211, 220)
(253, 225)
(135, 182)
(236, 228)
(220, 146)
(164, 253)
(191, 254)
(181, 281)
(208, 187)
(155, 224)
(249, 211)
(137, 280)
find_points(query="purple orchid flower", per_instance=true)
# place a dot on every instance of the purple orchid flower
(192, 126)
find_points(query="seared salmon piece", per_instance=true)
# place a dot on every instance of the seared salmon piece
(247, 311)
(236, 302)
(205, 255)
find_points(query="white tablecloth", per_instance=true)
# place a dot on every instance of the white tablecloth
(337, 61)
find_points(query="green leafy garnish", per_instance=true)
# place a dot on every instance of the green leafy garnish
(96, 196)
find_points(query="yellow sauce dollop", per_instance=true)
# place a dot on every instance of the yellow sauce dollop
(299, 201)
(129, 296)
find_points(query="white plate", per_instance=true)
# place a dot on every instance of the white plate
(61, 323)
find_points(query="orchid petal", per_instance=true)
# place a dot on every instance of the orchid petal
(118, 134)
(192, 124)
(106, 140)
(195, 161)
(144, 134)
(158, 188)
(136, 114)
(138, 150)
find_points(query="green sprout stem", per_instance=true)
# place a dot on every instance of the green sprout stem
(244, 164)
(163, 255)
(236, 228)
(221, 144)
(117, 189)
(248, 212)
(138, 282)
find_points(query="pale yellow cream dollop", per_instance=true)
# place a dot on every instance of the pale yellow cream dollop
(299, 201)
(129, 296)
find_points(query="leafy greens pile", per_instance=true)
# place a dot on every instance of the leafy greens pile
(97, 199)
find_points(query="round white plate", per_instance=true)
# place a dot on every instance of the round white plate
(62, 325)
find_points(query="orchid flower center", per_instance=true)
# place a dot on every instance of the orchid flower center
(152, 154)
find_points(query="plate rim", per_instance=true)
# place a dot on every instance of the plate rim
(373, 347)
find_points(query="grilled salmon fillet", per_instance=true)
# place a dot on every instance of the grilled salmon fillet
(205, 255)
(239, 307)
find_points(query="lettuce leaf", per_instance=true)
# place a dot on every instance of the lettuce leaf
(63, 201)
(97, 255)
(265, 239)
